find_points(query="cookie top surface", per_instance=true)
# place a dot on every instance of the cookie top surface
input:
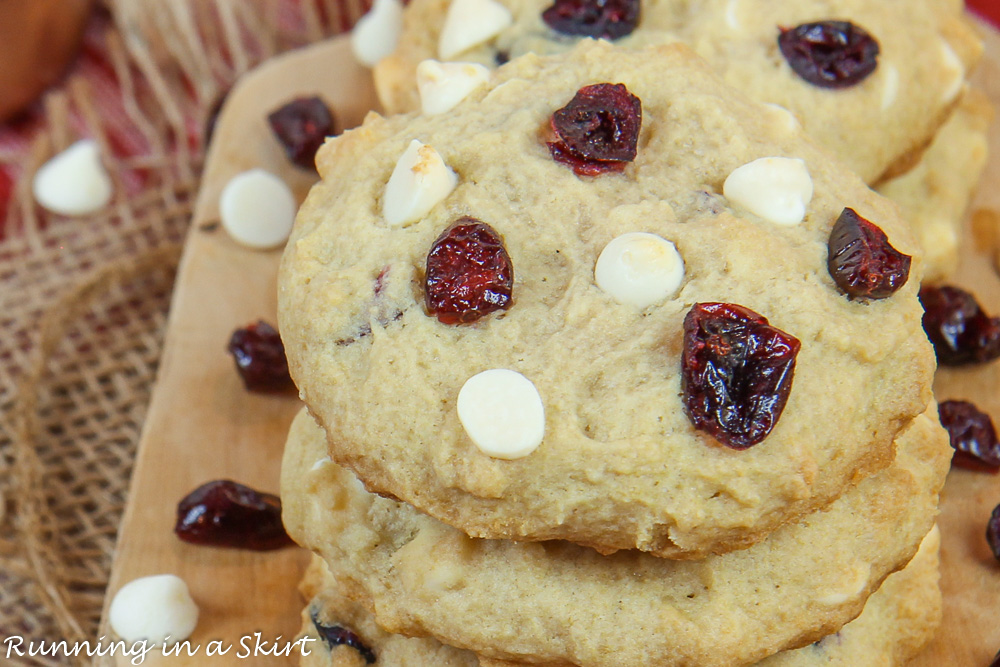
(619, 464)
(557, 603)
(925, 50)
(899, 618)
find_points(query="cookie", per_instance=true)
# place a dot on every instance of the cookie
(898, 620)
(935, 194)
(617, 440)
(924, 51)
(560, 604)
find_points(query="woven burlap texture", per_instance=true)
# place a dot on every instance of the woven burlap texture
(84, 301)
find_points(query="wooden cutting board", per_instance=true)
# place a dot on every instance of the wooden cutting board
(203, 425)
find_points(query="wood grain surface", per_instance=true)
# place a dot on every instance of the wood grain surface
(203, 425)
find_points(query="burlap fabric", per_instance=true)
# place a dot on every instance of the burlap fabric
(83, 302)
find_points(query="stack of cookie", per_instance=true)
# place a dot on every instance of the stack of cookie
(607, 364)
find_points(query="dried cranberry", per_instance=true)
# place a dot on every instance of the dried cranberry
(302, 126)
(336, 635)
(736, 372)
(224, 513)
(957, 326)
(600, 19)
(598, 130)
(861, 260)
(993, 532)
(972, 435)
(996, 658)
(260, 358)
(830, 54)
(469, 273)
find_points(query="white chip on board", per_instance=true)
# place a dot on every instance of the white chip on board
(74, 182)
(257, 209)
(469, 23)
(777, 189)
(640, 269)
(443, 85)
(502, 413)
(418, 183)
(158, 609)
(376, 33)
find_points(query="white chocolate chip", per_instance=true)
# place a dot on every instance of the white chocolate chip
(443, 85)
(854, 584)
(158, 609)
(74, 182)
(890, 89)
(469, 23)
(732, 18)
(502, 412)
(789, 120)
(376, 34)
(257, 209)
(954, 64)
(419, 182)
(640, 269)
(777, 189)
(321, 463)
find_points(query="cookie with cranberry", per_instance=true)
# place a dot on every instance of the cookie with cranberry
(602, 300)
(560, 604)
(898, 620)
(871, 81)
(935, 194)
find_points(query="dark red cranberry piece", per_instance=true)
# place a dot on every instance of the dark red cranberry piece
(736, 372)
(302, 126)
(469, 273)
(336, 635)
(224, 513)
(600, 19)
(829, 54)
(993, 532)
(598, 130)
(260, 358)
(861, 260)
(996, 658)
(972, 435)
(957, 326)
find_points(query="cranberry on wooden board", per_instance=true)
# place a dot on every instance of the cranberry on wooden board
(861, 260)
(736, 372)
(598, 130)
(972, 435)
(260, 358)
(829, 54)
(302, 126)
(224, 513)
(600, 19)
(957, 326)
(993, 532)
(469, 273)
